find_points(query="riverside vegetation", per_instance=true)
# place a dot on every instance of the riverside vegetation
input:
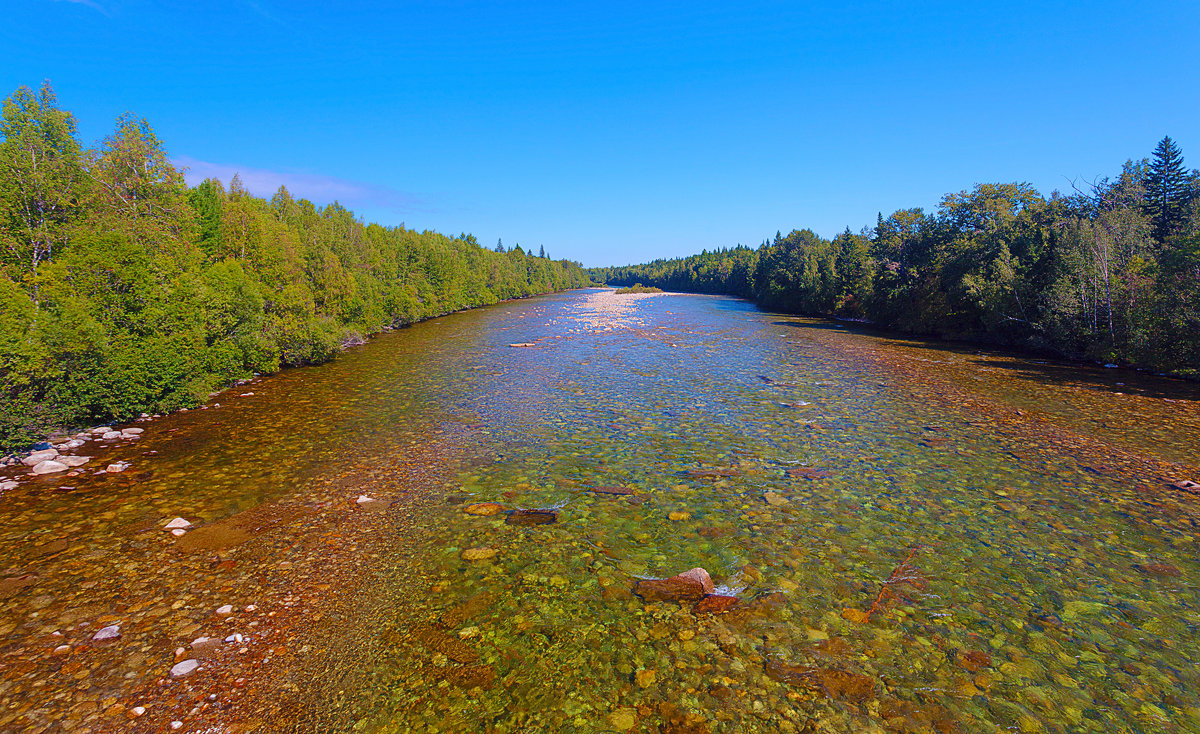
(123, 290)
(1110, 273)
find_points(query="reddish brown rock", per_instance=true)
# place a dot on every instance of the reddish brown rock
(1162, 570)
(715, 604)
(836, 684)
(809, 472)
(973, 660)
(611, 490)
(690, 585)
(484, 508)
(532, 517)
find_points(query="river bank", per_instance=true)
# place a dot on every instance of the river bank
(798, 462)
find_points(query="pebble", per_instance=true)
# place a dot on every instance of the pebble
(62, 649)
(645, 678)
(178, 532)
(251, 607)
(775, 500)
(177, 524)
(225, 611)
(235, 638)
(677, 516)
(5, 486)
(111, 632)
(136, 711)
(74, 460)
(110, 435)
(175, 725)
(185, 668)
(120, 466)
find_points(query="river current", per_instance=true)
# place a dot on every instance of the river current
(457, 527)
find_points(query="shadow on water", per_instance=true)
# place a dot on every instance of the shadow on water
(1042, 368)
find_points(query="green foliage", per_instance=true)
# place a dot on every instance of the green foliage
(638, 288)
(127, 292)
(1095, 276)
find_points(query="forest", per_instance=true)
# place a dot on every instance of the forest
(123, 290)
(1109, 273)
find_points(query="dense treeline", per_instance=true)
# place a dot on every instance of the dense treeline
(1110, 273)
(123, 290)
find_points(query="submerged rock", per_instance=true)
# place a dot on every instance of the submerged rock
(479, 554)
(74, 460)
(774, 499)
(522, 344)
(715, 604)
(532, 517)
(837, 684)
(612, 490)
(484, 509)
(178, 523)
(691, 585)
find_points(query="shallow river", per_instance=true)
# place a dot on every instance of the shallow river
(918, 537)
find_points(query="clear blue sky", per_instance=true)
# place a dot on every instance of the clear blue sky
(613, 132)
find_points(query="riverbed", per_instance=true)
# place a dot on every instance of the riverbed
(452, 528)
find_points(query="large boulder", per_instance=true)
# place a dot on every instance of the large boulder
(689, 586)
(49, 467)
(38, 457)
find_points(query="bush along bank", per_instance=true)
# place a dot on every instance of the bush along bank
(125, 291)
(1110, 273)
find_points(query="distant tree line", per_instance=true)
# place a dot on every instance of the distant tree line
(1110, 272)
(123, 290)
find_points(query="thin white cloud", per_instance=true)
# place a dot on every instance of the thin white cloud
(314, 187)
(91, 4)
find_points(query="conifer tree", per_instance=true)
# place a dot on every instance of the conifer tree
(1167, 189)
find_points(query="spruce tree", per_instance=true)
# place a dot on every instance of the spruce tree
(1167, 189)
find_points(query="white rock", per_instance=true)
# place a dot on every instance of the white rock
(38, 457)
(176, 725)
(74, 460)
(133, 431)
(364, 499)
(110, 435)
(137, 711)
(251, 607)
(178, 532)
(101, 430)
(225, 611)
(235, 638)
(111, 632)
(74, 443)
(116, 468)
(184, 668)
(62, 649)
(49, 467)
(178, 522)
(5, 486)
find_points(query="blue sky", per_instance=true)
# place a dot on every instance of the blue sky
(617, 132)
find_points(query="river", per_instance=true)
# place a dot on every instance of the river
(903, 535)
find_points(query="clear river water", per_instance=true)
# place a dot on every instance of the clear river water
(456, 528)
